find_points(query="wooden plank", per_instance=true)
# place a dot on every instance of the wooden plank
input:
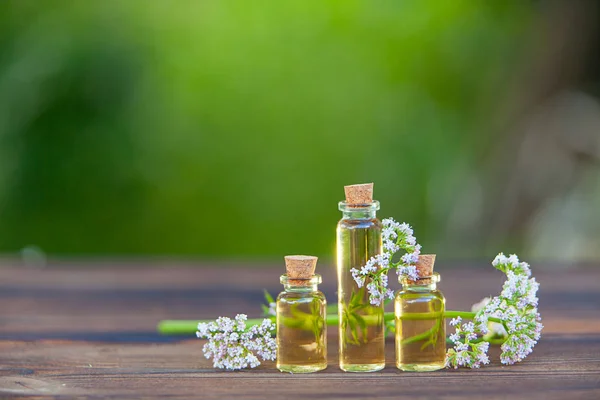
(71, 368)
(70, 331)
(66, 301)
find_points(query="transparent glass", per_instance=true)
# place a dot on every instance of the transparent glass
(420, 326)
(361, 326)
(301, 328)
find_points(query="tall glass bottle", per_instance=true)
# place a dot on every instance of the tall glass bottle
(301, 314)
(361, 324)
(420, 325)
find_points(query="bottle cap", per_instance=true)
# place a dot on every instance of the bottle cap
(359, 194)
(300, 269)
(425, 265)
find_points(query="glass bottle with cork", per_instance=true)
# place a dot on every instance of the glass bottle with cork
(301, 314)
(361, 324)
(420, 326)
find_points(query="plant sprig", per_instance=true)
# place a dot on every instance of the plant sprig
(515, 308)
(510, 319)
(374, 274)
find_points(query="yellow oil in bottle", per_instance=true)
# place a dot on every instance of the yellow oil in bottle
(361, 328)
(420, 326)
(301, 328)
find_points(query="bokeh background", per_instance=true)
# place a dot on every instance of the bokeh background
(227, 129)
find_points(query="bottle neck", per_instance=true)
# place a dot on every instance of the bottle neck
(419, 287)
(300, 285)
(359, 211)
(423, 284)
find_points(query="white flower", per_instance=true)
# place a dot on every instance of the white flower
(493, 328)
(516, 306)
(465, 352)
(232, 346)
(272, 309)
(405, 229)
(388, 234)
(391, 247)
(410, 258)
(395, 237)
(409, 272)
(358, 277)
(500, 259)
(513, 260)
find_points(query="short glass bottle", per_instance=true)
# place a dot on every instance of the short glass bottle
(361, 324)
(420, 325)
(301, 326)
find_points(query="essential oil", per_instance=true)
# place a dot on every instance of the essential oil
(361, 324)
(301, 313)
(420, 324)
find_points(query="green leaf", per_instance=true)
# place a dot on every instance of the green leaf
(353, 330)
(268, 297)
(265, 309)
(361, 321)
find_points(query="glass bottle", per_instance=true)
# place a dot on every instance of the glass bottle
(301, 328)
(361, 324)
(420, 326)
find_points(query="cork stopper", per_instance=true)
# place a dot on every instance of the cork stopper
(425, 265)
(300, 269)
(359, 194)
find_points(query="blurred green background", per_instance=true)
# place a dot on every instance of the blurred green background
(229, 128)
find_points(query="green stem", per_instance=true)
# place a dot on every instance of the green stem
(189, 327)
(419, 337)
(468, 315)
(491, 341)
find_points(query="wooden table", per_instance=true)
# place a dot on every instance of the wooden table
(88, 329)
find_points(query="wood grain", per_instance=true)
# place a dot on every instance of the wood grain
(74, 330)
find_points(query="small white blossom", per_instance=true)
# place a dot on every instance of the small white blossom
(465, 352)
(395, 237)
(491, 328)
(232, 346)
(388, 234)
(272, 309)
(516, 307)
(405, 228)
(410, 272)
(358, 278)
(410, 258)
(391, 246)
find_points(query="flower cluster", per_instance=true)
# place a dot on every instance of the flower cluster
(232, 346)
(373, 274)
(270, 308)
(466, 351)
(495, 330)
(517, 307)
(512, 315)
